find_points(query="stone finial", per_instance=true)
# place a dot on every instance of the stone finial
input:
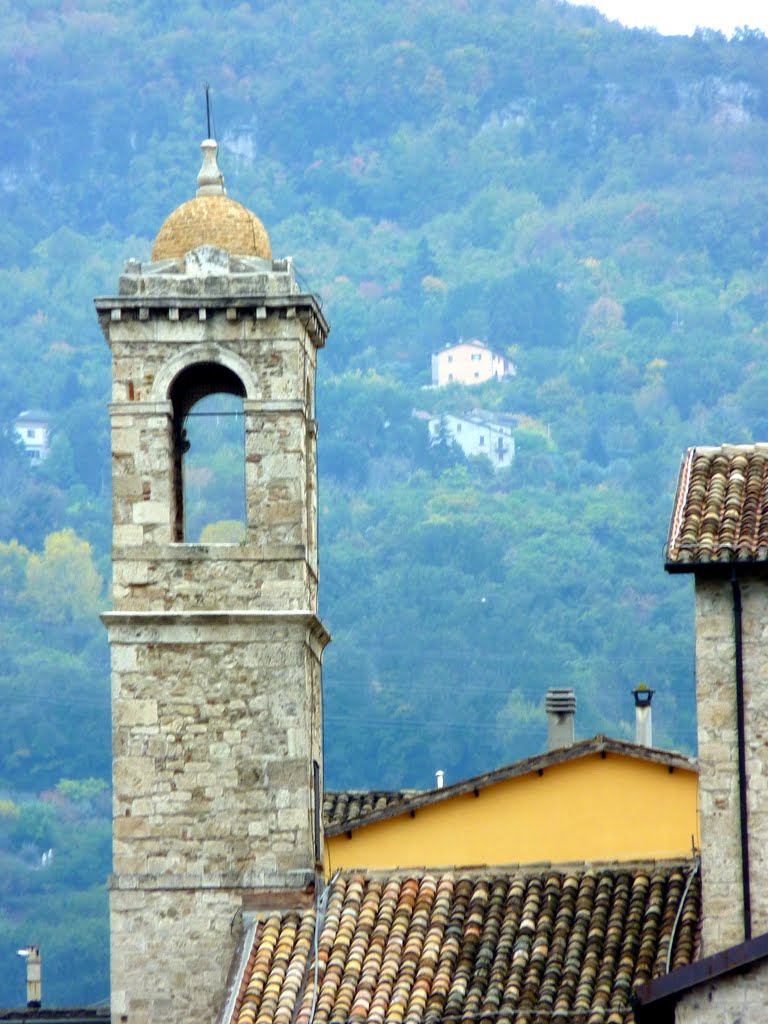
(210, 180)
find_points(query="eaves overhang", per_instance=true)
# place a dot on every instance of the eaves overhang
(654, 1001)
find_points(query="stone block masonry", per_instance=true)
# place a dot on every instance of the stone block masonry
(216, 649)
(215, 726)
(170, 953)
(718, 757)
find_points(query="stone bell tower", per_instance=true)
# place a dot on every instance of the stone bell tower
(216, 649)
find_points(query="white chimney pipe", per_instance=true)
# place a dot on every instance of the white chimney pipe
(643, 721)
(34, 975)
(440, 776)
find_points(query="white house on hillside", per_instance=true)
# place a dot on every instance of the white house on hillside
(478, 434)
(33, 430)
(469, 362)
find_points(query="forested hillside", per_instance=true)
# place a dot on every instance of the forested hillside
(589, 200)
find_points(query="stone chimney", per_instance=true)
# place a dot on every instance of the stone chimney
(643, 720)
(561, 710)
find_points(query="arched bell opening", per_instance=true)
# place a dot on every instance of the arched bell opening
(208, 454)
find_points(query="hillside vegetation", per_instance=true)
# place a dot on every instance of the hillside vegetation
(587, 199)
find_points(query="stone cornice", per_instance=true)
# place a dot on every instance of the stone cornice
(225, 552)
(194, 620)
(304, 306)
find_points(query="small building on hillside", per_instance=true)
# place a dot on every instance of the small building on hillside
(32, 427)
(469, 362)
(478, 433)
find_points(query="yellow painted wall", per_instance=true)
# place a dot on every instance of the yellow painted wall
(593, 809)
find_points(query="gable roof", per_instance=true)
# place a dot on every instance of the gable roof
(721, 509)
(548, 944)
(383, 805)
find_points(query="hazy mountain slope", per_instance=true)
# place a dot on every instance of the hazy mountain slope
(589, 199)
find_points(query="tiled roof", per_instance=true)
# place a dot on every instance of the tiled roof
(345, 811)
(721, 509)
(344, 808)
(556, 945)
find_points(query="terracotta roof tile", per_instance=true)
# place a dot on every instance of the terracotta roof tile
(550, 946)
(721, 509)
(346, 807)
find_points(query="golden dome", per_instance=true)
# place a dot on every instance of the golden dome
(211, 218)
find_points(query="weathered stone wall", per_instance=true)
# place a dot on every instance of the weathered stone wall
(272, 345)
(215, 729)
(198, 577)
(735, 999)
(277, 367)
(217, 721)
(216, 649)
(170, 953)
(718, 758)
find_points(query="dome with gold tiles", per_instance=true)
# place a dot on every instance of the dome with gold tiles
(211, 218)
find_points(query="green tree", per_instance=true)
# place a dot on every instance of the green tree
(63, 587)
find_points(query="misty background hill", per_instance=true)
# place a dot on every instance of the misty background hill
(587, 199)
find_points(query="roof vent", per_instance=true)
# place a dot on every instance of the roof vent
(34, 976)
(643, 722)
(561, 711)
(440, 778)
